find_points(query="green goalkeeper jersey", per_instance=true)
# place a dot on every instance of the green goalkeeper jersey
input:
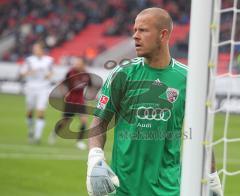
(148, 105)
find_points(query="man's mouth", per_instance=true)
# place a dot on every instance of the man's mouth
(138, 45)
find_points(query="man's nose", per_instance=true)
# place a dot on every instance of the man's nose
(135, 35)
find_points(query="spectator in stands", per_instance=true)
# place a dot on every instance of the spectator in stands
(54, 22)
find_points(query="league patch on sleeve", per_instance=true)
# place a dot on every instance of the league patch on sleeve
(102, 102)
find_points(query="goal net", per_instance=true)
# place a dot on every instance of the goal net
(218, 110)
(223, 96)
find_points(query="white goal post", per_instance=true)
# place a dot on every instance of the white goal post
(207, 71)
(195, 115)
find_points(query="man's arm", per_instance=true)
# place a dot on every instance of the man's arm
(49, 74)
(26, 71)
(101, 180)
(97, 134)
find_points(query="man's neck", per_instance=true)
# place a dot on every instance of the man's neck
(161, 60)
(39, 55)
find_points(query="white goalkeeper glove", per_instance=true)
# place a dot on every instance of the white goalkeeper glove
(215, 183)
(101, 180)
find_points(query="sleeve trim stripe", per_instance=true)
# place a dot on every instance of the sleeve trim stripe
(181, 65)
(136, 60)
(116, 69)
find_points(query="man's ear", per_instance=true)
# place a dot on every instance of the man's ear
(164, 34)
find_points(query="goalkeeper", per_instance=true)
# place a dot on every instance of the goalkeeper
(147, 97)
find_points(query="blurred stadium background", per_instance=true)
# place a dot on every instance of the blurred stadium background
(98, 31)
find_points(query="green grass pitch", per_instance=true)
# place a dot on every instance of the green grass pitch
(60, 169)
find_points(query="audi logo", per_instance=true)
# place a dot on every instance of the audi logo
(150, 113)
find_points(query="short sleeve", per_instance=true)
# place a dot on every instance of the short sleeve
(51, 64)
(25, 67)
(110, 96)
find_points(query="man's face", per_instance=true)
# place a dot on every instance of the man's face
(37, 50)
(79, 64)
(146, 35)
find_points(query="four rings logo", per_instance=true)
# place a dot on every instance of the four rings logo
(150, 113)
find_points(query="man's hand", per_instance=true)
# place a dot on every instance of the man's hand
(101, 180)
(48, 75)
(28, 73)
(215, 183)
